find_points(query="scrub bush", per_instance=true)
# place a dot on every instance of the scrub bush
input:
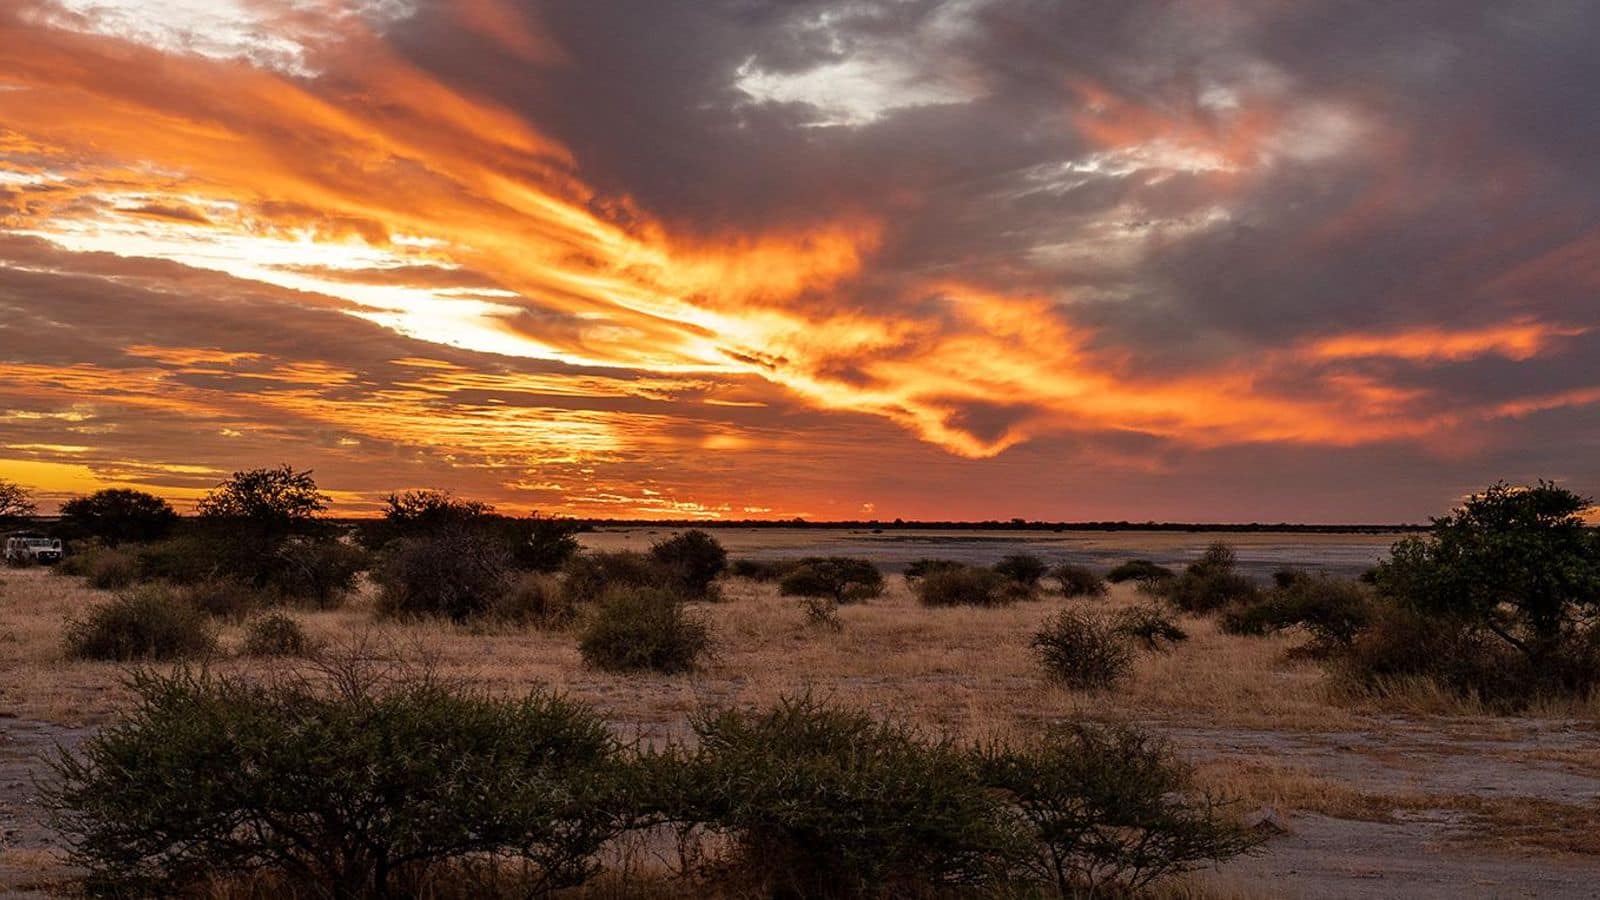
(1079, 581)
(964, 586)
(147, 623)
(839, 578)
(455, 574)
(694, 559)
(1024, 569)
(643, 629)
(1084, 651)
(276, 635)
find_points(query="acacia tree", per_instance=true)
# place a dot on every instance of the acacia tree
(115, 515)
(273, 502)
(1518, 563)
(16, 503)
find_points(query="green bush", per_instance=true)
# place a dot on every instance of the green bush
(694, 559)
(1084, 651)
(455, 574)
(1210, 583)
(920, 568)
(964, 586)
(534, 600)
(1512, 566)
(1079, 581)
(1141, 570)
(1403, 645)
(1150, 627)
(187, 558)
(276, 634)
(147, 623)
(635, 629)
(762, 569)
(345, 785)
(1111, 811)
(842, 579)
(1024, 569)
(827, 802)
(1332, 611)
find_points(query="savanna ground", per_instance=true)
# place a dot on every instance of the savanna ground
(1418, 795)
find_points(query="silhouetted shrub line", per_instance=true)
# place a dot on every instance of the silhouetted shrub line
(342, 782)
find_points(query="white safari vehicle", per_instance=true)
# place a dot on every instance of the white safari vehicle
(23, 549)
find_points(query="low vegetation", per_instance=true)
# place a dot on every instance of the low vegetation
(1139, 570)
(635, 629)
(958, 585)
(150, 622)
(456, 574)
(692, 560)
(1209, 584)
(338, 779)
(1022, 569)
(1078, 581)
(843, 580)
(1150, 627)
(1083, 650)
(276, 634)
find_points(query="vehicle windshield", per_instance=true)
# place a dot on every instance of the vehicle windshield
(40, 542)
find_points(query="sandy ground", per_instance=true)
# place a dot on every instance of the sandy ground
(1437, 801)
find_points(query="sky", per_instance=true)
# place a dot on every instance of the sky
(1203, 260)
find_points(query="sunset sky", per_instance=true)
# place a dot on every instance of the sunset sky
(1222, 260)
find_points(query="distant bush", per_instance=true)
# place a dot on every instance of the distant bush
(762, 569)
(534, 600)
(1138, 570)
(539, 543)
(1150, 627)
(223, 598)
(315, 572)
(276, 634)
(693, 558)
(107, 570)
(187, 558)
(635, 629)
(535, 543)
(964, 586)
(1332, 611)
(827, 802)
(1111, 810)
(118, 515)
(920, 568)
(588, 576)
(1403, 645)
(455, 574)
(1079, 581)
(842, 579)
(347, 785)
(1084, 651)
(147, 623)
(1210, 583)
(1024, 569)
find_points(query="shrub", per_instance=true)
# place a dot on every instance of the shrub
(762, 569)
(635, 629)
(1079, 581)
(349, 785)
(1024, 569)
(963, 586)
(188, 558)
(108, 570)
(276, 635)
(1210, 583)
(1517, 566)
(693, 558)
(588, 576)
(1404, 645)
(539, 543)
(222, 597)
(1150, 627)
(316, 572)
(921, 568)
(842, 579)
(534, 600)
(828, 802)
(149, 623)
(116, 515)
(1110, 809)
(1084, 651)
(1141, 570)
(455, 574)
(1331, 610)
(420, 514)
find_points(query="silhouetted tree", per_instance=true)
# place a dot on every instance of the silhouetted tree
(115, 515)
(16, 503)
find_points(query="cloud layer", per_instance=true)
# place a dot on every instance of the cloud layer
(1213, 259)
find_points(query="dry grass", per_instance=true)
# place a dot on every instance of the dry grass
(966, 669)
